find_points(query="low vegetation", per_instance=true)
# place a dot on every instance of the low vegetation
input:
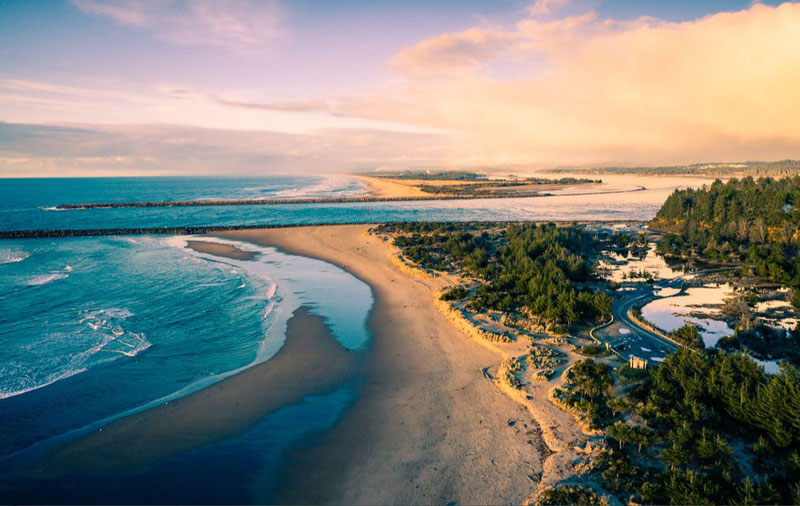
(586, 392)
(570, 494)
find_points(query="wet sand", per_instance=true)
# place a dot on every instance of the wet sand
(310, 362)
(220, 250)
(427, 426)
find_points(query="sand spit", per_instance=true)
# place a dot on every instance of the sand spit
(428, 427)
(310, 362)
(380, 187)
(220, 250)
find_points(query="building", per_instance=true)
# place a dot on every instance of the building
(638, 363)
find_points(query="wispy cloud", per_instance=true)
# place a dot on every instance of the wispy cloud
(542, 7)
(243, 26)
(297, 106)
(460, 51)
(171, 149)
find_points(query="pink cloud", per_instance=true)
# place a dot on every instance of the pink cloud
(242, 26)
(464, 50)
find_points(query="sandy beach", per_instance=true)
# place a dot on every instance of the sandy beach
(379, 187)
(427, 427)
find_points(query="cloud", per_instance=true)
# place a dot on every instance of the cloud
(279, 106)
(298, 106)
(82, 150)
(464, 50)
(543, 7)
(584, 89)
(242, 26)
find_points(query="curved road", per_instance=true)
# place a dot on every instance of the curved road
(641, 342)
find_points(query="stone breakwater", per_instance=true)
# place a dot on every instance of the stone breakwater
(33, 234)
(207, 229)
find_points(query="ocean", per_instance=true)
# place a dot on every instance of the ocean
(95, 328)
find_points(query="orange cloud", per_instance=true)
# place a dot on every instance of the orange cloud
(589, 90)
(464, 50)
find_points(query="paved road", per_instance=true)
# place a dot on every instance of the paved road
(640, 341)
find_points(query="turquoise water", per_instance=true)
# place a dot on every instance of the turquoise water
(29, 203)
(92, 329)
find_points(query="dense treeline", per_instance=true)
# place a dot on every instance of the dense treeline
(775, 169)
(442, 175)
(756, 222)
(495, 187)
(525, 268)
(713, 428)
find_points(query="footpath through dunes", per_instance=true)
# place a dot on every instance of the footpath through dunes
(427, 427)
(310, 362)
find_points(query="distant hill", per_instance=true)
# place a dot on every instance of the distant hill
(427, 175)
(774, 169)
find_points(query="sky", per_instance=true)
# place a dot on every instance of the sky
(250, 87)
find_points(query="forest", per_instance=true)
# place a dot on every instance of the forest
(540, 270)
(751, 223)
(707, 428)
(775, 169)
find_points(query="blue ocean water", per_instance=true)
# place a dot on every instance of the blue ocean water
(92, 329)
(29, 203)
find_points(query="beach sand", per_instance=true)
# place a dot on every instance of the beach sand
(379, 187)
(427, 426)
(220, 250)
(310, 362)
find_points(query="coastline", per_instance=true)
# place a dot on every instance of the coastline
(427, 426)
(386, 188)
(310, 362)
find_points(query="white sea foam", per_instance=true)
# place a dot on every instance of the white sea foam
(26, 384)
(106, 340)
(293, 281)
(46, 278)
(11, 256)
(329, 186)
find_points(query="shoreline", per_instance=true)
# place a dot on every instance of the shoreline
(427, 427)
(216, 229)
(385, 188)
(310, 362)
